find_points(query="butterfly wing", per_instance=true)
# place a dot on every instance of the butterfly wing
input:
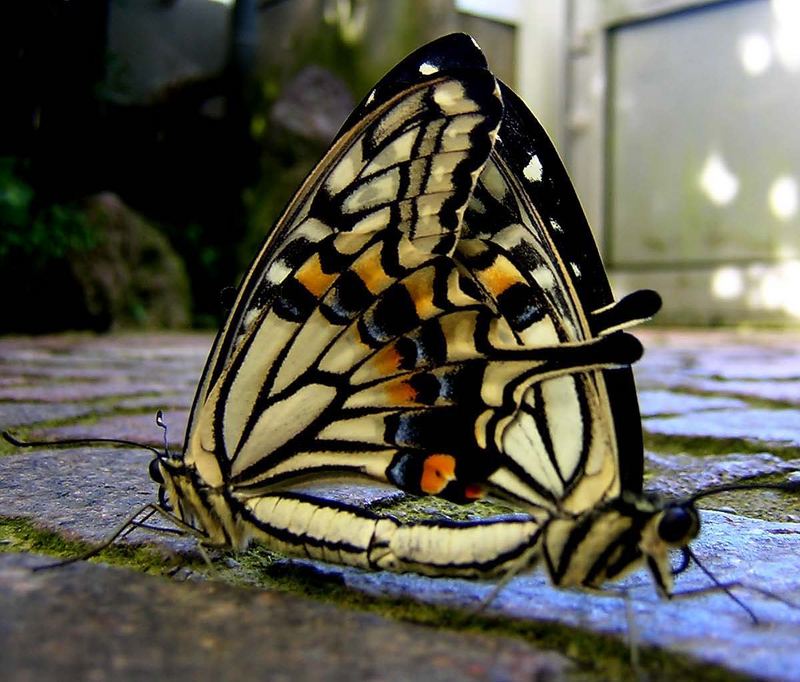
(526, 242)
(387, 198)
(371, 336)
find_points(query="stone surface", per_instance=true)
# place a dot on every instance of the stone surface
(778, 427)
(660, 402)
(715, 387)
(87, 622)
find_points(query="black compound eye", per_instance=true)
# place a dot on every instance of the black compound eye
(155, 471)
(676, 525)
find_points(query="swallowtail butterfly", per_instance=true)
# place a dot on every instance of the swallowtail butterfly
(430, 311)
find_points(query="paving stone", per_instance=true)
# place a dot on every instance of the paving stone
(669, 402)
(139, 428)
(777, 391)
(87, 622)
(82, 492)
(88, 491)
(678, 475)
(46, 391)
(21, 414)
(711, 627)
(779, 427)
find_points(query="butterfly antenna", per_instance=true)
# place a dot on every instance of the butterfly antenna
(76, 441)
(722, 586)
(129, 524)
(790, 485)
(163, 425)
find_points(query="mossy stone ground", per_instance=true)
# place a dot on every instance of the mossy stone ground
(716, 406)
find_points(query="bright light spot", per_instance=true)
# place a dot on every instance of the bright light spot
(783, 199)
(727, 283)
(755, 53)
(787, 32)
(717, 181)
(427, 69)
(787, 12)
(791, 285)
(770, 291)
(776, 287)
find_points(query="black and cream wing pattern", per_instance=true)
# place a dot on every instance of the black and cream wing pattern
(430, 311)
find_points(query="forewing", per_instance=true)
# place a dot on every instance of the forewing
(386, 198)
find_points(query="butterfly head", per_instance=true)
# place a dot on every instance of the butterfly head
(672, 525)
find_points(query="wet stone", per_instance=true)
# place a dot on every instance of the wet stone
(139, 428)
(778, 427)
(87, 492)
(77, 390)
(669, 402)
(678, 475)
(21, 413)
(151, 628)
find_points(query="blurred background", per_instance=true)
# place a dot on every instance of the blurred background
(147, 146)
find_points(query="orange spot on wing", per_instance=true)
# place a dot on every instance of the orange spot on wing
(368, 268)
(311, 276)
(420, 287)
(474, 491)
(437, 471)
(400, 393)
(387, 361)
(500, 276)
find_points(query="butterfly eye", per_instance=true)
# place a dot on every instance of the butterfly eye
(677, 525)
(155, 471)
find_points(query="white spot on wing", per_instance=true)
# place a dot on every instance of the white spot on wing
(544, 277)
(426, 68)
(371, 97)
(533, 171)
(555, 225)
(575, 270)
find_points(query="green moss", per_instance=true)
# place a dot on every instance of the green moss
(701, 446)
(21, 535)
(411, 508)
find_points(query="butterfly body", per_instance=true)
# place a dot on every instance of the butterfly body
(430, 311)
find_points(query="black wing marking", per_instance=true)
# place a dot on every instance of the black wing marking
(401, 170)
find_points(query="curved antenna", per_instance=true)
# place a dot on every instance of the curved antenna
(77, 441)
(163, 425)
(721, 586)
(791, 485)
(125, 528)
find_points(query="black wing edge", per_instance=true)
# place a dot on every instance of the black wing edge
(520, 136)
(453, 52)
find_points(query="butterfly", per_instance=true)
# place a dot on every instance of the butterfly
(430, 311)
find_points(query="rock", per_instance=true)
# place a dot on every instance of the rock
(133, 277)
(313, 105)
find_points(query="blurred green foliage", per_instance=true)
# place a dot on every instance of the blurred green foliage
(37, 231)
